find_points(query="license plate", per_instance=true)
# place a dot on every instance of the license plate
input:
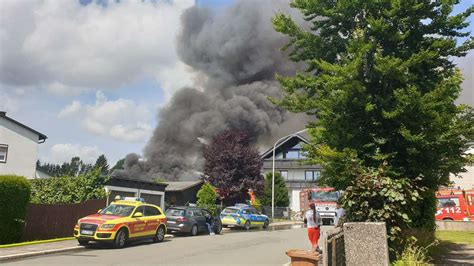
(87, 232)
(171, 222)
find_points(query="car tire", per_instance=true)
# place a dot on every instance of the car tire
(194, 230)
(247, 225)
(120, 239)
(83, 242)
(160, 234)
(265, 224)
(217, 228)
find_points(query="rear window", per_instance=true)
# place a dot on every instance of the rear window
(174, 212)
(448, 202)
(230, 210)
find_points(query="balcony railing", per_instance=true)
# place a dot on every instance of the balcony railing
(289, 164)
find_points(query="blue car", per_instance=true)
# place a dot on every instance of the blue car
(242, 215)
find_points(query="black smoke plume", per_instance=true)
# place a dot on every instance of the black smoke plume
(235, 53)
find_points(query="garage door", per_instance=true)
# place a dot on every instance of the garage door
(152, 198)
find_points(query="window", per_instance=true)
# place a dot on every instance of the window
(205, 213)
(308, 175)
(174, 212)
(151, 211)
(3, 153)
(316, 175)
(284, 174)
(197, 212)
(292, 154)
(448, 202)
(118, 210)
(312, 175)
(140, 209)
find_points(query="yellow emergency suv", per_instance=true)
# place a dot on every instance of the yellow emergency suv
(121, 221)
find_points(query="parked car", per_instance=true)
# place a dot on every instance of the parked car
(190, 220)
(121, 221)
(242, 215)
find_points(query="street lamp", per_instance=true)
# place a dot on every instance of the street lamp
(273, 167)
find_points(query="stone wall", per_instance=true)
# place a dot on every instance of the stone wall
(366, 244)
(455, 226)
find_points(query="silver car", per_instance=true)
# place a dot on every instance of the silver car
(190, 220)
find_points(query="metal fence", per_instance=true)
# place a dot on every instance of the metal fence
(280, 212)
(47, 221)
(334, 253)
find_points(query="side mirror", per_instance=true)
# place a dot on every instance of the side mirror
(137, 215)
(99, 210)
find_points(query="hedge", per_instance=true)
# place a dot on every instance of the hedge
(14, 198)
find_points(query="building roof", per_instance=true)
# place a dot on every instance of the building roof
(182, 185)
(120, 181)
(41, 137)
(290, 139)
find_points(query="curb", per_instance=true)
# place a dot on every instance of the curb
(46, 252)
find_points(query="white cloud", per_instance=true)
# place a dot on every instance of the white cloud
(73, 108)
(60, 153)
(121, 119)
(65, 47)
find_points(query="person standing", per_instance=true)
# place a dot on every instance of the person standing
(339, 214)
(313, 221)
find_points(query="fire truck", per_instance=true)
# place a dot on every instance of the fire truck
(325, 199)
(455, 205)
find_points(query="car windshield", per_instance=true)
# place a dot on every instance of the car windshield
(448, 202)
(118, 210)
(230, 210)
(174, 212)
(325, 195)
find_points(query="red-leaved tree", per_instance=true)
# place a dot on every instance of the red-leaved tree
(233, 166)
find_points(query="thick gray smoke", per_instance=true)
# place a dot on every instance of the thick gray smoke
(235, 53)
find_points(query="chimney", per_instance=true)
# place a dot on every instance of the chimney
(3, 113)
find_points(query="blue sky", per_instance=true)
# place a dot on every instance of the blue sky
(93, 77)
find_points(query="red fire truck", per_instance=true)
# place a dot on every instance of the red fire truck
(455, 205)
(325, 199)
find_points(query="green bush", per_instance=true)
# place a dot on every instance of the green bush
(14, 198)
(69, 189)
(375, 197)
(207, 197)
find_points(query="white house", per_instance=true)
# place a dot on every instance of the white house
(288, 162)
(18, 147)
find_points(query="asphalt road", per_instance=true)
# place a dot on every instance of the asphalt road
(237, 248)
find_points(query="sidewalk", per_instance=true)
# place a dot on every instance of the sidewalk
(42, 249)
(38, 249)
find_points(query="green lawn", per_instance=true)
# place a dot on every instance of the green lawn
(460, 237)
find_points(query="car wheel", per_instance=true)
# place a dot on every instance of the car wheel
(83, 242)
(247, 225)
(448, 219)
(265, 224)
(194, 230)
(160, 234)
(217, 228)
(120, 239)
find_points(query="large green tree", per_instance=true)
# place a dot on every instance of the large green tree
(381, 83)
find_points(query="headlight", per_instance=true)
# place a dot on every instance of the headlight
(107, 226)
